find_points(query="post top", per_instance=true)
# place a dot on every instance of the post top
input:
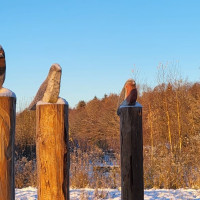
(60, 101)
(134, 105)
(4, 92)
(125, 105)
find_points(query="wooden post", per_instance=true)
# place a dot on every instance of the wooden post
(7, 141)
(52, 151)
(131, 139)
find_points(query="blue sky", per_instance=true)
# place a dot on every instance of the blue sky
(97, 43)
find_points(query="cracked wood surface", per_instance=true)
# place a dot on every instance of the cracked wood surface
(52, 151)
(7, 139)
(131, 141)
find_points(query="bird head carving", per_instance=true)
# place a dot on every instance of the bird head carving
(128, 95)
(50, 88)
(2, 66)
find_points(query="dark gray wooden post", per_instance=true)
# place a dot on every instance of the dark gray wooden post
(131, 140)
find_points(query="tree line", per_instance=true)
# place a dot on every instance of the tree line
(171, 131)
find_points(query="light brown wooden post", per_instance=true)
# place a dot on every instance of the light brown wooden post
(131, 139)
(7, 141)
(52, 151)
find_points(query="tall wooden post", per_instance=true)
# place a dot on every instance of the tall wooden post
(52, 151)
(7, 141)
(131, 139)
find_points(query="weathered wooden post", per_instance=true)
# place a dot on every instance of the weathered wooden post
(7, 136)
(52, 151)
(131, 141)
(52, 147)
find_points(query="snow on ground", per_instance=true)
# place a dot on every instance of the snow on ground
(114, 194)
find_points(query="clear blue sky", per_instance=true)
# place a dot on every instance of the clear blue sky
(97, 43)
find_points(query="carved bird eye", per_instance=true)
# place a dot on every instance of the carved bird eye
(1, 55)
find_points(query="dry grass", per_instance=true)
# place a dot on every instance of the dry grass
(25, 173)
(85, 171)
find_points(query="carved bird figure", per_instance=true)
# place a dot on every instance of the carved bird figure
(2, 66)
(50, 88)
(128, 95)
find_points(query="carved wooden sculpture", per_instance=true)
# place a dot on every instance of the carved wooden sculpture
(131, 143)
(7, 135)
(128, 95)
(52, 139)
(50, 88)
(2, 66)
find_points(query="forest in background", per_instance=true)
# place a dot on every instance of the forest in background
(171, 135)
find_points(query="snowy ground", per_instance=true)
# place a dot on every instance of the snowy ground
(91, 194)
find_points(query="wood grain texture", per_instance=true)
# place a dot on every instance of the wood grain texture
(131, 141)
(53, 160)
(7, 141)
